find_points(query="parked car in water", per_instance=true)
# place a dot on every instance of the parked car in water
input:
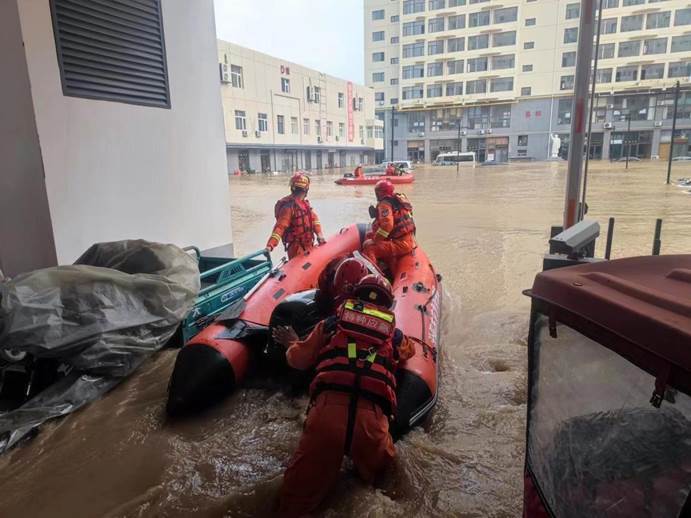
(682, 158)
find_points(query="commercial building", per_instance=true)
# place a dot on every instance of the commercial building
(280, 116)
(110, 128)
(501, 74)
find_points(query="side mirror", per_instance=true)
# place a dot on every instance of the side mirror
(372, 211)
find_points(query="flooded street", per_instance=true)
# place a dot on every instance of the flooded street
(485, 230)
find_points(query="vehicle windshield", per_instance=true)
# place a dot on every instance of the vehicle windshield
(596, 445)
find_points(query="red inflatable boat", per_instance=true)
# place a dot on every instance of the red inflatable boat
(373, 179)
(217, 360)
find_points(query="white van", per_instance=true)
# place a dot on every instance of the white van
(404, 165)
(454, 157)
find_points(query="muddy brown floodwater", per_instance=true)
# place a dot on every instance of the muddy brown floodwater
(485, 230)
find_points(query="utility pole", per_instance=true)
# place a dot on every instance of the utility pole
(674, 128)
(584, 57)
(458, 145)
(628, 138)
(393, 109)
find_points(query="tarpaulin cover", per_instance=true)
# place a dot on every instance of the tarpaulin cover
(102, 316)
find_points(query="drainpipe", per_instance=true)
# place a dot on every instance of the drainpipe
(273, 128)
(584, 58)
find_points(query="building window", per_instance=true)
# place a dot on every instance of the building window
(318, 127)
(656, 71)
(564, 111)
(609, 26)
(413, 71)
(610, 4)
(527, 68)
(341, 130)
(379, 96)
(412, 92)
(478, 86)
(681, 43)
(658, 20)
(377, 77)
(378, 36)
(631, 23)
(529, 22)
(394, 81)
(280, 124)
(395, 18)
(416, 122)
(529, 45)
(394, 61)
(262, 122)
(435, 47)
(506, 15)
(566, 82)
(97, 62)
(503, 62)
(457, 22)
(471, 2)
(568, 59)
(414, 50)
(501, 84)
(629, 48)
(478, 19)
(236, 77)
(525, 91)
(682, 16)
(571, 35)
(606, 51)
(477, 64)
(655, 46)
(317, 94)
(436, 4)
(413, 28)
(454, 66)
(240, 120)
(522, 140)
(377, 57)
(434, 90)
(478, 42)
(435, 69)
(573, 11)
(503, 39)
(294, 125)
(627, 74)
(604, 75)
(456, 3)
(285, 85)
(455, 45)
(632, 2)
(435, 24)
(395, 39)
(306, 126)
(478, 117)
(378, 14)
(454, 88)
(680, 69)
(329, 129)
(413, 6)
(341, 100)
(362, 132)
(500, 116)
(394, 100)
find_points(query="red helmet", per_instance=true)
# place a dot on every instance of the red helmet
(348, 275)
(383, 189)
(326, 277)
(375, 289)
(300, 181)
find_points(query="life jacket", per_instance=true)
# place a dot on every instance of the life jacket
(301, 228)
(360, 358)
(403, 222)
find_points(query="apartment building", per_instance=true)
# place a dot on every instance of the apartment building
(501, 75)
(280, 116)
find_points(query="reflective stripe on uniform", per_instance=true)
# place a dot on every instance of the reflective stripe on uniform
(371, 312)
(352, 350)
(275, 236)
(383, 233)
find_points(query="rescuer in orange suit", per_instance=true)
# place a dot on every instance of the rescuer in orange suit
(358, 172)
(355, 354)
(296, 222)
(390, 169)
(393, 230)
(338, 280)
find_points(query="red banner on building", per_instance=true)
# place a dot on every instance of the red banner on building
(349, 100)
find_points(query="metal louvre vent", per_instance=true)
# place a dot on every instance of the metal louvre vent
(112, 50)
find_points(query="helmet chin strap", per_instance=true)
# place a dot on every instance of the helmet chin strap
(367, 263)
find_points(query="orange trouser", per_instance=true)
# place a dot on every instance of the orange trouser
(389, 249)
(313, 470)
(297, 249)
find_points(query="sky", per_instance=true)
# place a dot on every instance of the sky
(322, 34)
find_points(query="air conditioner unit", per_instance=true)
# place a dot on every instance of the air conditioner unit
(257, 133)
(337, 138)
(226, 79)
(244, 133)
(489, 131)
(225, 67)
(421, 134)
(608, 125)
(223, 72)
(464, 133)
(319, 140)
(481, 132)
(658, 124)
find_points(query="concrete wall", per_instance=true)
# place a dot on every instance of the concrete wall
(116, 171)
(26, 235)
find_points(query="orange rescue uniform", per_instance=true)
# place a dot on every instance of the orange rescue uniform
(358, 172)
(393, 233)
(313, 469)
(297, 224)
